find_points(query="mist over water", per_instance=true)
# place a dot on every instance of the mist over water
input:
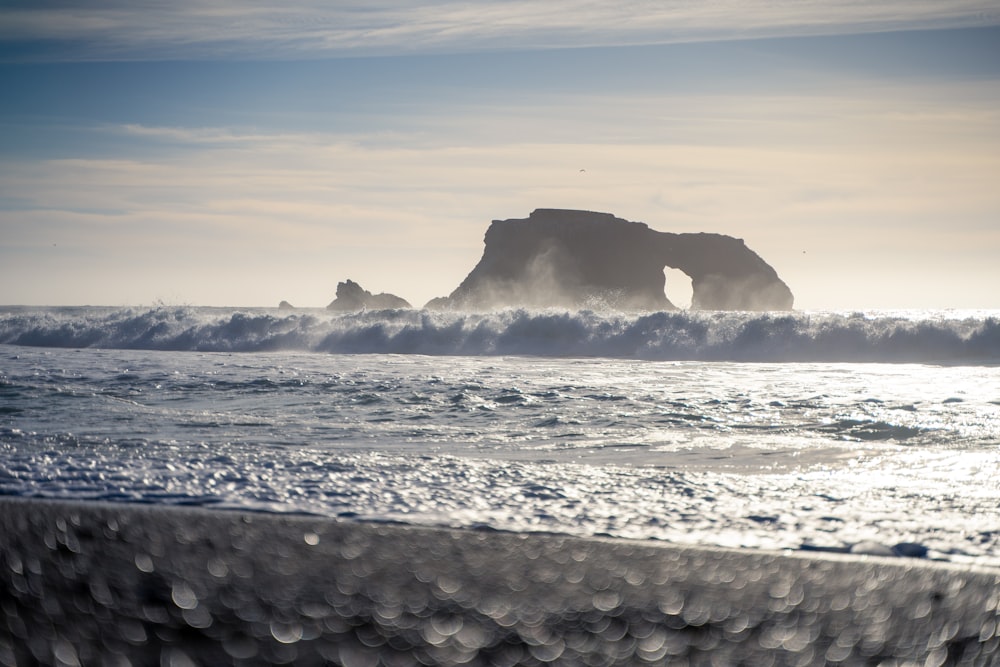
(905, 336)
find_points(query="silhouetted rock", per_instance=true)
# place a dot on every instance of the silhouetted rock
(284, 305)
(351, 297)
(584, 259)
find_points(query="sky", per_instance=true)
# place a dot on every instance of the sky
(240, 154)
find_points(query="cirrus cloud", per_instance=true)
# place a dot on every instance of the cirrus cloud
(195, 29)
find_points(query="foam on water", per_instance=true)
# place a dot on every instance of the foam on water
(775, 455)
(918, 336)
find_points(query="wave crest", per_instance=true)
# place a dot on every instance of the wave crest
(676, 335)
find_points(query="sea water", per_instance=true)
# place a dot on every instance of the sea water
(872, 432)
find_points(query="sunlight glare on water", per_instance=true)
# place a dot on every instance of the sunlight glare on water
(819, 455)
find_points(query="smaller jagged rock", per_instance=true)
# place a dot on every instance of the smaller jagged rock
(910, 550)
(352, 297)
(284, 305)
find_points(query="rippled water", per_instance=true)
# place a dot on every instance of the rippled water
(801, 456)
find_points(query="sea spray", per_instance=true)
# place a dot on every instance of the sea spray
(908, 336)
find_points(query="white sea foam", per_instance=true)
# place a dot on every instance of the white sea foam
(776, 455)
(915, 336)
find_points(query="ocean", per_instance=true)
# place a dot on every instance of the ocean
(864, 432)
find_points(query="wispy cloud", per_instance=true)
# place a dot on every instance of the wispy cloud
(192, 29)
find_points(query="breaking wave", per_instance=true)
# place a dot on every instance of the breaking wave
(910, 336)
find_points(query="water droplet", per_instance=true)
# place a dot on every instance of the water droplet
(286, 633)
(65, 654)
(183, 596)
(143, 562)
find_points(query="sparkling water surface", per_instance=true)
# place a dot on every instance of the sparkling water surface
(808, 455)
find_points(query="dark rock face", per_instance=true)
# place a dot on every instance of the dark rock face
(351, 297)
(284, 305)
(582, 259)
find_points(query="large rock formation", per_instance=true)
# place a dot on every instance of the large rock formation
(351, 297)
(582, 259)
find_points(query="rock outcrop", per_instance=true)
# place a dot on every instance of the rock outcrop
(351, 297)
(284, 305)
(583, 259)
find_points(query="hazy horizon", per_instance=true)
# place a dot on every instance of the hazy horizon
(240, 156)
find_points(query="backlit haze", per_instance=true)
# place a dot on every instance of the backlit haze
(244, 153)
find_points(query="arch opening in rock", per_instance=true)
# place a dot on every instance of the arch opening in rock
(678, 287)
